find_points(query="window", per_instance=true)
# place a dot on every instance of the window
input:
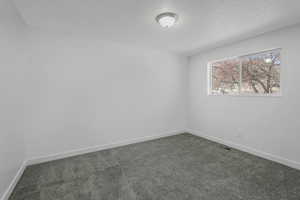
(254, 74)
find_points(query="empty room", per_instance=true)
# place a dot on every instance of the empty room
(149, 100)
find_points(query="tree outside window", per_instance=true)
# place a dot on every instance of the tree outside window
(255, 74)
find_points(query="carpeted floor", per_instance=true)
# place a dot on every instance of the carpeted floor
(181, 167)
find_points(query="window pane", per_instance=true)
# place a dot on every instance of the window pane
(225, 77)
(261, 73)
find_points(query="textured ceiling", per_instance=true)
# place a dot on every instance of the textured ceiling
(202, 23)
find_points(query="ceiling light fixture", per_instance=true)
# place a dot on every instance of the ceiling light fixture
(167, 19)
(268, 60)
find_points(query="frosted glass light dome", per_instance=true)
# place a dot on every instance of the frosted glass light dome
(268, 60)
(167, 19)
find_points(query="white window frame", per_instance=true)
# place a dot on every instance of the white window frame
(209, 76)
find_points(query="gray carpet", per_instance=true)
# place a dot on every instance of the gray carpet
(181, 167)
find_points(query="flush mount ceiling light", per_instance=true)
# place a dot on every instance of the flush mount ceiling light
(167, 19)
(268, 60)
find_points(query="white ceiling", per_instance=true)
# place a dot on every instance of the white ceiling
(202, 23)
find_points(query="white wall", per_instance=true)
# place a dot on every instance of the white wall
(266, 124)
(61, 93)
(12, 93)
(91, 93)
(67, 92)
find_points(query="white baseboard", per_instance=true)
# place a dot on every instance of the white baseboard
(14, 182)
(76, 152)
(268, 156)
(47, 158)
